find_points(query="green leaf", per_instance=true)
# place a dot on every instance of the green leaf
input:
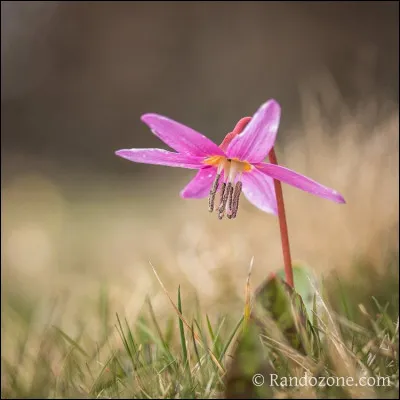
(305, 284)
(278, 315)
(286, 308)
(248, 360)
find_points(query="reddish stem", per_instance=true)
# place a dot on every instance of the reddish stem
(279, 198)
(282, 224)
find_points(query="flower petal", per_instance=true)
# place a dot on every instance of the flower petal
(161, 157)
(199, 187)
(258, 137)
(180, 137)
(259, 190)
(300, 181)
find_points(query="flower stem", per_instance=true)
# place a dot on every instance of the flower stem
(282, 224)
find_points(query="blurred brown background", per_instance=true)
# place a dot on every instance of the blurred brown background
(76, 77)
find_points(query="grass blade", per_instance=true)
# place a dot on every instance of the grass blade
(232, 335)
(70, 341)
(181, 330)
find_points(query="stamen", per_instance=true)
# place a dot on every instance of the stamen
(235, 201)
(229, 212)
(224, 198)
(213, 191)
(221, 196)
(231, 168)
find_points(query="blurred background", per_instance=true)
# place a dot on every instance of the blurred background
(77, 221)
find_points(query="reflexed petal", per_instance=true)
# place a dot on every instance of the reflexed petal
(199, 187)
(300, 181)
(161, 157)
(180, 137)
(259, 190)
(258, 137)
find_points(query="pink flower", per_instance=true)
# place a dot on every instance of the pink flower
(236, 165)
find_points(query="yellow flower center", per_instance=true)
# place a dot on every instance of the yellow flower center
(223, 162)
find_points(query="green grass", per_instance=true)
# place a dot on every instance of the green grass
(191, 355)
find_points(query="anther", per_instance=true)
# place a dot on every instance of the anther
(221, 200)
(224, 198)
(229, 212)
(213, 191)
(235, 201)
